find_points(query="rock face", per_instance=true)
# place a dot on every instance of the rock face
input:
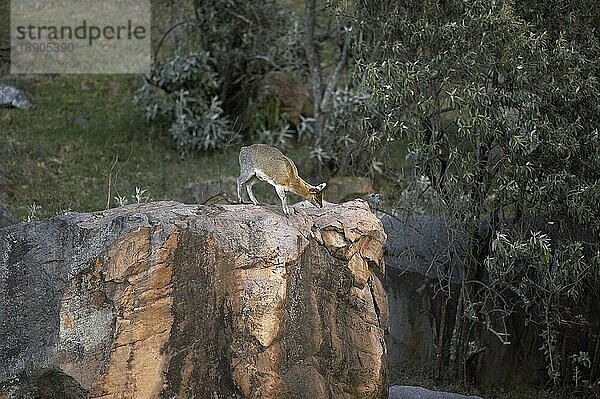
(165, 300)
(417, 260)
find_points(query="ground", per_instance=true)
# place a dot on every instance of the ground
(82, 131)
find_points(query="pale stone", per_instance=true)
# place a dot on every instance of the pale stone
(165, 300)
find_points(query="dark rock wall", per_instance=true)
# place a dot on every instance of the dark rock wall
(422, 285)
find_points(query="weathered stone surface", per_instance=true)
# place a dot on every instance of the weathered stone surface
(410, 392)
(165, 300)
(10, 96)
(211, 193)
(415, 252)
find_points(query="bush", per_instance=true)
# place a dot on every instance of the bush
(197, 93)
(498, 110)
(182, 93)
(267, 124)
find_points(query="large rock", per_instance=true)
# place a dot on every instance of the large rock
(422, 280)
(416, 252)
(410, 392)
(165, 300)
(10, 96)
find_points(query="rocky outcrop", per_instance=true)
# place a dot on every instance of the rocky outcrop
(417, 259)
(410, 392)
(165, 300)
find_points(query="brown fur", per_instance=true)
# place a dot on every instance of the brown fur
(260, 161)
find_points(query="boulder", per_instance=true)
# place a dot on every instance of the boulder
(410, 392)
(10, 96)
(417, 260)
(165, 300)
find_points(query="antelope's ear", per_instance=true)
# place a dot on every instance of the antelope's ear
(317, 189)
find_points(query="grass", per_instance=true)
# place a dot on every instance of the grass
(58, 155)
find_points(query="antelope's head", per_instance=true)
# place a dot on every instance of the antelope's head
(315, 195)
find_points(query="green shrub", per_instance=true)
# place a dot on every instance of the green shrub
(266, 124)
(182, 94)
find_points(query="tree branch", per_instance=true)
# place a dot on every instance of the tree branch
(164, 36)
(239, 16)
(333, 79)
(312, 57)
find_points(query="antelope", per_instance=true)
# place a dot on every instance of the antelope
(263, 162)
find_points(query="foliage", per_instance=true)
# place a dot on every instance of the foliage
(343, 145)
(499, 110)
(4, 38)
(184, 93)
(245, 37)
(268, 125)
(227, 46)
(323, 84)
